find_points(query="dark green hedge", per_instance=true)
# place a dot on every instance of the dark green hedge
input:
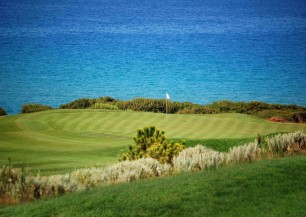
(291, 113)
(2, 112)
(85, 103)
(30, 108)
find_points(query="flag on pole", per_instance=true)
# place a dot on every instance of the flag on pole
(167, 96)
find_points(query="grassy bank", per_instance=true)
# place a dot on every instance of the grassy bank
(265, 188)
(58, 141)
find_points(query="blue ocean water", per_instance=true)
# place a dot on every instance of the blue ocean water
(52, 52)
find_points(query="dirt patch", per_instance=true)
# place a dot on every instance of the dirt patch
(277, 119)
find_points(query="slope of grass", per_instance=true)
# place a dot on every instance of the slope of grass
(265, 188)
(222, 145)
(57, 141)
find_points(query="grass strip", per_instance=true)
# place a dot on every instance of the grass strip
(264, 188)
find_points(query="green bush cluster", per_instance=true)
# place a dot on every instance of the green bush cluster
(151, 105)
(151, 142)
(85, 103)
(289, 113)
(2, 112)
(29, 108)
(100, 105)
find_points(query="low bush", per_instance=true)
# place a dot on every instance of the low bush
(30, 108)
(299, 117)
(101, 105)
(2, 112)
(95, 103)
(151, 142)
(142, 104)
(82, 103)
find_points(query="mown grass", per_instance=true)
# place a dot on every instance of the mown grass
(264, 188)
(222, 145)
(58, 141)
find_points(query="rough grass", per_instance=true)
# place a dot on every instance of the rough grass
(264, 188)
(58, 141)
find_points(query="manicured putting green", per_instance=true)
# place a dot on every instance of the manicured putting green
(60, 140)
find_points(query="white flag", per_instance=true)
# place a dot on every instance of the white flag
(167, 96)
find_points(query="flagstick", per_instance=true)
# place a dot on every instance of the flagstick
(166, 109)
(167, 98)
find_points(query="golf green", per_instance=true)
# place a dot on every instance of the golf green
(58, 141)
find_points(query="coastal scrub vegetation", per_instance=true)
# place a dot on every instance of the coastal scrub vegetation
(2, 112)
(104, 102)
(30, 108)
(19, 184)
(273, 112)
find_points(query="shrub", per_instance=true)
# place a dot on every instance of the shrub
(164, 153)
(101, 105)
(292, 113)
(142, 104)
(82, 103)
(152, 105)
(2, 112)
(29, 108)
(299, 117)
(151, 142)
(276, 114)
(106, 99)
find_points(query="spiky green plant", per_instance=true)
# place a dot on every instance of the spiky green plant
(151, 142)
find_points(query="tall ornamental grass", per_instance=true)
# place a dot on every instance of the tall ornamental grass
(13, 183)
(244, 153)
(286, 143)
(16, 185)
(198, 158)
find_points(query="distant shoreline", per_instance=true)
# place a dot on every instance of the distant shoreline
(272, 112)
